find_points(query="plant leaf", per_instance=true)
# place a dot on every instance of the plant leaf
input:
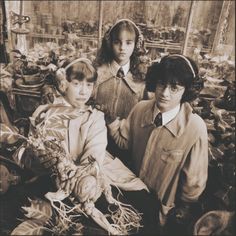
(63, 112)
(56, 133)
(29, 227)
(55, 118)
(39, 210)
(9, 134)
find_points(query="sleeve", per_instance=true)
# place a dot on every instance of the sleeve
(96, 141)
(196, 169)
(119, 130)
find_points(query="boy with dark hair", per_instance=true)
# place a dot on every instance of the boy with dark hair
(167, 140)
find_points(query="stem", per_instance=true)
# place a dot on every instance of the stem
(23, 137)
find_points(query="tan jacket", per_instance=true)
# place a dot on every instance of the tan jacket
(87, 135)
(167, 158)
(118, 95)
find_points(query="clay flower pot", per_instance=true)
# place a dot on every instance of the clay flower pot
(30, 75)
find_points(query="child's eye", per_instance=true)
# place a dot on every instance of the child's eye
(89, 84)
(116, 41)
(75, 82)
(173, 88)
(130, 42)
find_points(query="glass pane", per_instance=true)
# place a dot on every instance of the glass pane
(204, 24)
(163, 24)
(166, 24)
(62, 22)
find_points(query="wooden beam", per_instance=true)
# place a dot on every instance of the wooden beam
(222, 17)
(188, 28)
(100, 23)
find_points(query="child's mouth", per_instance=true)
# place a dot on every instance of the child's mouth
(80, 99)
(163, 100)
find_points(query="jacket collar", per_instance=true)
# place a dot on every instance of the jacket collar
(128, 79)
(147, 118)
(115, 67)
(175, 126)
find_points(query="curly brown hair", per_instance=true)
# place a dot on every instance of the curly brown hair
(105, 53)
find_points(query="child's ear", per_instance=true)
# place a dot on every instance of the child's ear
(62, 83)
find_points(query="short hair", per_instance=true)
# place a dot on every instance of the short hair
(175, 69)
(81, 70)
(78, 69)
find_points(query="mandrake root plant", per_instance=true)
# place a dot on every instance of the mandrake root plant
(82, 184)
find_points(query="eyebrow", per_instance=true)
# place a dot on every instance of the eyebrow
(125, 40)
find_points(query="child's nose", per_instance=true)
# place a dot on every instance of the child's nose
(82, 89)
(166, 91)
(122, 45)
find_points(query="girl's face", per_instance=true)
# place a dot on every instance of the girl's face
(79, 92)
(123, 46)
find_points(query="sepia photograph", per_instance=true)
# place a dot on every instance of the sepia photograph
(117, 117)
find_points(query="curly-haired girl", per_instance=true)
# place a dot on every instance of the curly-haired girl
(119, 85)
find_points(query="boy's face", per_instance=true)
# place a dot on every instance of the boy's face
(168, 96)
(78, 92)
(123, 46)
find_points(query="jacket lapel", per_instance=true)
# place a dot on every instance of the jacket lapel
(179, 123)
(147, 118)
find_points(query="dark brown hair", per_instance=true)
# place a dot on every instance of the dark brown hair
(175, 70)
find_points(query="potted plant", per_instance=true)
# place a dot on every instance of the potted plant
(28, 71)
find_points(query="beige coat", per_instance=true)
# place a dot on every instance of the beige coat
(167, 158)
(86, 136)
(118, 95)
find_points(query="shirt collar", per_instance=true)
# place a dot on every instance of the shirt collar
(177, 125)
(115, 67)
(168, 115)
(126, 67)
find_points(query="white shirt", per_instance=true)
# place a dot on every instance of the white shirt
(115, 67)
(168, 115)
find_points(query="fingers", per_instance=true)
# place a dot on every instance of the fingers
(68, 185)
(102, 108)
(108, 116)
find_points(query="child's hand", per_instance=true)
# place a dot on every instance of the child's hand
(109, 118)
